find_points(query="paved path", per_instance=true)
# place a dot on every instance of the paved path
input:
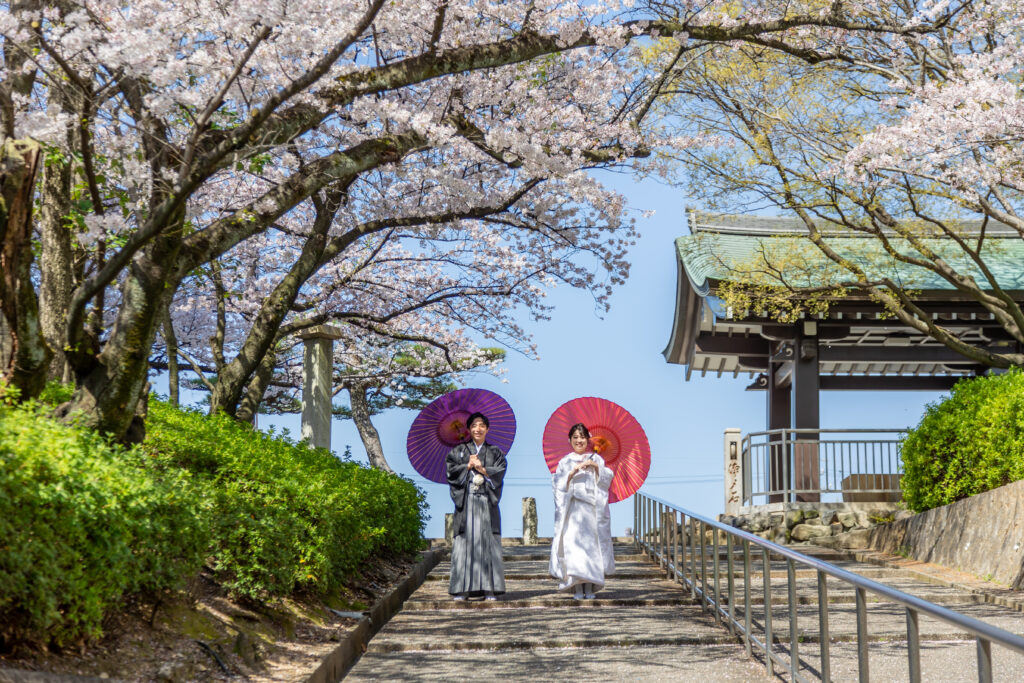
(644, 627)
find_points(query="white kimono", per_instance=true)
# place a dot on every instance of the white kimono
(581, 546)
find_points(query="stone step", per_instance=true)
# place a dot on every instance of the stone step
(558, 600)
(694, 664)
(515, 575)
(488, 630)
(539, 569)
(538, 563)
(945, 661)
(544, 550)
(517, 541)
(807, 590)
(543, 555)
(776, 569)
(823, 554)
(530, 593)
(886, 621)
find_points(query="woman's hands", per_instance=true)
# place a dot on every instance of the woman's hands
(582, 466)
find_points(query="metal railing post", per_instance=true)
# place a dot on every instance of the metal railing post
(746, 597)
(658, 535)
(984, 661)
(794, 634)
(718, 561)
(664, 537)
(825, 647)
(913, 646)
(636, 517)
(675, 545)
(693, 558)
(640, 522)
(767, 580)
(862, 636)
(787, 455)
(732, 583)
(647, 526)
(703, 568)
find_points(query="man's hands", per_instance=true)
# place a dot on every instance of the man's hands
(475, 464)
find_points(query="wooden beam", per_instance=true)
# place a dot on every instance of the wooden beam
(915, 354)
(732, 346)
(753, 362)
(887, 383)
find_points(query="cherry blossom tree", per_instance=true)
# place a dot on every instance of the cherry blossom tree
(913, 140)
(181, 140)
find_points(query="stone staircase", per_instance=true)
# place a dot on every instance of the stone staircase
(642, 627)
(645, 627)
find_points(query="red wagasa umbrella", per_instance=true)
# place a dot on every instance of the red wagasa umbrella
(615, 435)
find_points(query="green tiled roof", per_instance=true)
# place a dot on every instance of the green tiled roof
(710, 254)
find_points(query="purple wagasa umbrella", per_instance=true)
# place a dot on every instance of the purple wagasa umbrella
(442, 425)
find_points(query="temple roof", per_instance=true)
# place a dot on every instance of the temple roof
(719, 245)
(856, 338)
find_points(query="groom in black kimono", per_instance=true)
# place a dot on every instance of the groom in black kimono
(476, 470)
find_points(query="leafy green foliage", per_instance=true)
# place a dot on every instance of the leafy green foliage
(83, 522)
(286, 517)
(967, 444)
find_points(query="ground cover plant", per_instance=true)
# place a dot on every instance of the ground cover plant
(86, 524)
(969, 443)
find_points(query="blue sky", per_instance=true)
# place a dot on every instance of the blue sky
(618, 357)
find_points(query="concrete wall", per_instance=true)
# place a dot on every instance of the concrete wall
(982, 535)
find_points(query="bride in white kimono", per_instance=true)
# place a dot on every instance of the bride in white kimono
(581, 546)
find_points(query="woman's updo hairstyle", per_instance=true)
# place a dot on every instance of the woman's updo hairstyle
(581, 428)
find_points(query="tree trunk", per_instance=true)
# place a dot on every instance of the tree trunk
(30, 355)
(110, 385)
(233, 377)
(55, 261)
(5, 341)
(171, 343)
(367, 432)
(249, 406)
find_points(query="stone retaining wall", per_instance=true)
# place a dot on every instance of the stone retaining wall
(982, 535)
(799, 523)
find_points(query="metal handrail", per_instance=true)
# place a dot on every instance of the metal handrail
(827, 465)
(667, 546)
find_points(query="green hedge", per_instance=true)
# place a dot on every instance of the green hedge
(84, 522)
(969, 443)
(286, 517)
(81, 524)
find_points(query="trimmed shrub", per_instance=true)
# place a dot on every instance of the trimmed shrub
(82, 523)
(285, 516)
(969, 443)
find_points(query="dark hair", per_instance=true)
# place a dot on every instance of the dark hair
(579, 427)
(477, 416)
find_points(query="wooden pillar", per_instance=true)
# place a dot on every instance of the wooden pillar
(805, 409)
(317, 384)
(779, 417)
